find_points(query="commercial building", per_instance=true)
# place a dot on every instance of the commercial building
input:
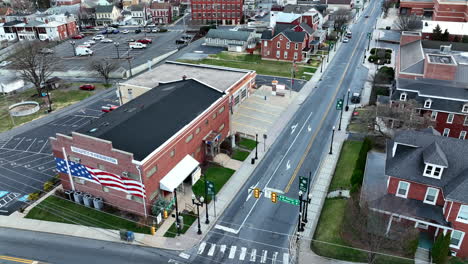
(438, 10)
(217, 12)
(237, 41)
(455, 29)
(148, 153)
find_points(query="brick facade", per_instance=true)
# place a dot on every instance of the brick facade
(456, 127)
(217, 11)
(439, 9)
(67, 2)
(277, 49)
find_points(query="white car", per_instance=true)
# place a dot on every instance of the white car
(106, 40)
(125, 31)
(155, 30)
(345, 40)
(5, 63)
(86, 45)
(98, 37)
(92, 42)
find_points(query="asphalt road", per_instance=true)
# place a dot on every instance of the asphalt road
(57, 249)
(256, 230)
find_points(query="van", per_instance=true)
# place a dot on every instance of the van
(136, 45)
(349, 34)
(83, 51)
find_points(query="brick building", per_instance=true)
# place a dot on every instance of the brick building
(217, 11)
(439, 10)
(138, 142)
(161, 13)
(455, 29)
(426, 185)
(67, 2)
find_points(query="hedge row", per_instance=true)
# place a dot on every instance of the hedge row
(358, 173)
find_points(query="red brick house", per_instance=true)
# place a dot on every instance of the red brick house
(439, 10)
(161, 13)
(215, 12)
(5, 11)
(138, 142)
(67, 2)
(427, 183)
(287, 42)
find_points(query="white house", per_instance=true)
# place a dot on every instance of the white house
(10, 83)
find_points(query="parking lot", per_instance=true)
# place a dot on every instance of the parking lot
(162, 43)
(26, 161)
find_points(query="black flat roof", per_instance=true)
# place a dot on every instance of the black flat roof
(146, 122)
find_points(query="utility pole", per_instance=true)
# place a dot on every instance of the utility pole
(331, 143)
(177, 213)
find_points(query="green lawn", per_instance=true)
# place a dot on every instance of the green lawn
(55, 209)
(247, 143)
(345, 167)
(251, 62)
(216, 174)
(240, 155)
(188, 221)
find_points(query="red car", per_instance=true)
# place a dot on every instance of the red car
(88, 87)
(108, 108)
(145, 41)
(77, 37)
(89, 27)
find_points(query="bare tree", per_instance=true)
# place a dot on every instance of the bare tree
(104, 68)
(22, 5)
(341, 17)
(369, 230)
(408, 22)
(33, 65)
(385, 6)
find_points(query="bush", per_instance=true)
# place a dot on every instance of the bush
(440, 249)
(388, 51)
(34, 196)
(358, 173)
(373, 58)
(372, 51)
(159, 206)
(48, 185)
(388, 55)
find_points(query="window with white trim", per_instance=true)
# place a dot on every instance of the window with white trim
(450, 118)
(465, 108)
(172, 153)
(221, 109)
(265, 43)
(278, 54)
(221, 127)
(197, 130)
(433, 115)
(462, 134)
(432, 171)
(465, 123)
(403, 188)
(295, 55)
(446, 132)
(463, 214)
(403, 96)
(281, 37)
(431, 195)
(152, 171)
(288, 45)
(285, 54)
(427, 103)
(189, 138)
(456, 238)
(278, 44)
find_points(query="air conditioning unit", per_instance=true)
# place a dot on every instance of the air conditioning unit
(125, 174)
(445, 48)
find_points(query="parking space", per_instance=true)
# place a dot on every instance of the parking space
(260, 111)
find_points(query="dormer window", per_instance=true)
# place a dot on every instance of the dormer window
(427, 103)
(403, 96)
(465, 108)
(433, 171)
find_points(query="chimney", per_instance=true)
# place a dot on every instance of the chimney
(184, 77)
(46, 21)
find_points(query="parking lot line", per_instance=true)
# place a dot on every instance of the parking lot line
(30, 161)
(31, 144)
(86, 116)
(245, 125)
(77, 121)
(48, 168)
(45, 143)
(254, 118)
(16, 160)
(6, 142)
(260, 111)
(19, 143)
(258, 101)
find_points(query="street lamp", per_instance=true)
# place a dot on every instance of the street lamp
(341, 116)
(198, 203)
(206, 201)
(309, 198)
(116, 44)
(331, 143)
(256, 146)
(347, 101)
(321, 63)
(73, 43)
(177, 212)
(300, 227)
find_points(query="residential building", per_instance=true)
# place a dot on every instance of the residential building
(138, 13)
(5, 11)
(87, 16)
(152, 155)
(309, 15)
(8, 30)
(106, 14)
(10, 84)
(216, 12)
(127, 3)
(65, 2)
(438, 10)
(426, 185)
(162, 13)
(455, 29)
(237, 41)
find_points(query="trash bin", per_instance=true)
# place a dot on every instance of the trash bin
(252, 161)
(98, 203)
(69, 195)
(78, 196)
(130, 236)
(88, 200)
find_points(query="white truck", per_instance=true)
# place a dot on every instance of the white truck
(83, 51)
(136, 45)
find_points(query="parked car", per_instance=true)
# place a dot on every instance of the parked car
(136, 45)
(77, 36)
(366, 16)
(115, 25)
(356, 98)
(189, 37)
(98, 37)
(345, 40)
(46, 51)
(89, 27)
(349, 34)
(130, 40)
(86, 45)
(181, 41)
(155, 30)
(145, 41)
(88, 87)
(108, 108)
(5, 63)
(106, 40)
(137, 31)
(115, 31)
(125, 31)
(83, 51)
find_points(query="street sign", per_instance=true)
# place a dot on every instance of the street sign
(339, 104)
(369, 35)
(210, 188)
(303, 184)
(288, 200)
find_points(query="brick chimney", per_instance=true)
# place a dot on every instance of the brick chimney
(409, 36)
(46, 21)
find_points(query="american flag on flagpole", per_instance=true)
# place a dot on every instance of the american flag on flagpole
(104, 178)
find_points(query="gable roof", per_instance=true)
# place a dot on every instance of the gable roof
(433, 154)
(306, 28)
(228, 34)
(294, 36)
(408, 162)
(156, 5)
(136, 8)
(297, 9)
(412, 57)
(104, 8)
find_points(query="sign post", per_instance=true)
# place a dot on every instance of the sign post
(288, 200)
(211, 191)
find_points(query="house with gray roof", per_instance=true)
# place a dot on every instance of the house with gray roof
(426, 179)
(237, 41)
(106, 14)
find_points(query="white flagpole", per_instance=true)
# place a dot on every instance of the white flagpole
(68, 169)
(144, 198)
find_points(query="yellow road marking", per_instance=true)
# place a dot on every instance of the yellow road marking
(257, 101)
(255, 118)
(256, 110)
(256, 128)
(296, 171)
(16, 259)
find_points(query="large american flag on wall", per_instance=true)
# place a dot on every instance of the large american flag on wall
(104, 178)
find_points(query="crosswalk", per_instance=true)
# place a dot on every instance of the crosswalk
(241, 253)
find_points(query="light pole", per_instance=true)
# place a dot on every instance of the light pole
(177, 213)
(73, 43)
(341, 116)
(116, 44)
(300, 227)
(198, 203)
(309, 198)
(130, 66)
(321, 63)
(256, 146)
(331, 143)
(206, 201)
(347, 101)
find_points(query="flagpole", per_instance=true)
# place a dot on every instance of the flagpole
(144, 196)
(68, 169)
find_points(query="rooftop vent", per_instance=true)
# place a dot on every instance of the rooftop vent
(446, 48)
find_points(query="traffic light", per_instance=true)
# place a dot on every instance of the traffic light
(166, 214)
(274, 197)
(256, 193)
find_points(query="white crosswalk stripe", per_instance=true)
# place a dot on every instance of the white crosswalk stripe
(243, 253)
(264, 256)
(253, 255)
(273, 259)
(232, 253)
(201, 248)
(212, 250)
(285, 258)
(222, 249)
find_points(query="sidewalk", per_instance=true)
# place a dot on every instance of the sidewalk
(224, 197)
